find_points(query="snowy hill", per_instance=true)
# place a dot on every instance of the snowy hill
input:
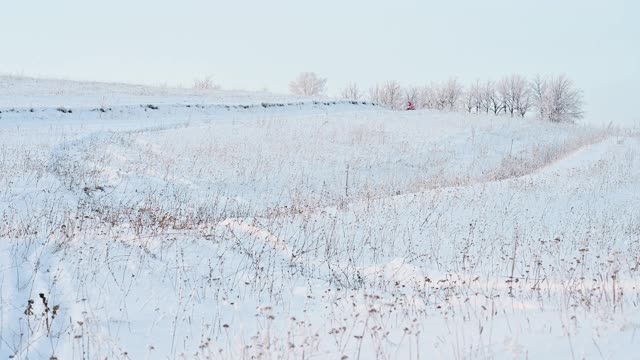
(29, 102)
(308, 230)
(34, 92)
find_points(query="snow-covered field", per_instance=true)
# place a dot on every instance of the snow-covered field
(157, 223)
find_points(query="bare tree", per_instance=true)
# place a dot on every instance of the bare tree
(469, 100)
(504, 94)
(427, 97)
(450, 94)
(308, 84)
(513, 92)
(539, 88)
(446, 96)
(520, 94)
(474, 99)
(412, 95)
(439, 96)
(351, 92)
(206, 83)
(375, 94)
(487, 89)
(523, 104)
(493, 98)
(561, 101)
(389, 94)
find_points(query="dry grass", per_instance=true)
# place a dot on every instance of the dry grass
(341, 262)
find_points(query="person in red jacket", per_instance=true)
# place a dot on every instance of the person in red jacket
(410, 106)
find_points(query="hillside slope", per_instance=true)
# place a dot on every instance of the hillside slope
(312, 231)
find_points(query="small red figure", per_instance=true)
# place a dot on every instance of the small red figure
(410, 106)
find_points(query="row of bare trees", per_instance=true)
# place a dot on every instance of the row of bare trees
(555, 98)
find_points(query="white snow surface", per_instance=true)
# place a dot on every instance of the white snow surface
(165, 223)
(34, 92)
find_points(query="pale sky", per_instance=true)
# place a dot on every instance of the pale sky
(255, 44)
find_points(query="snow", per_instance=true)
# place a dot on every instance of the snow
(34, 92)
(308, 230)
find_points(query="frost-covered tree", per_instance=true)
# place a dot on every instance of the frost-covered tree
(351, 92)
(520, 94)
(539, 87)
(493, 98)
(375, 94)
(450, 93)
(392, 94)
(206, 83)
(308, 84)
(443, 96)
(504, 93)
(557, 99)
(412, 95)
(487, 88)
(513, 92)
(388, 94)
(474, 98)
(427, 97)
(469, 100)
